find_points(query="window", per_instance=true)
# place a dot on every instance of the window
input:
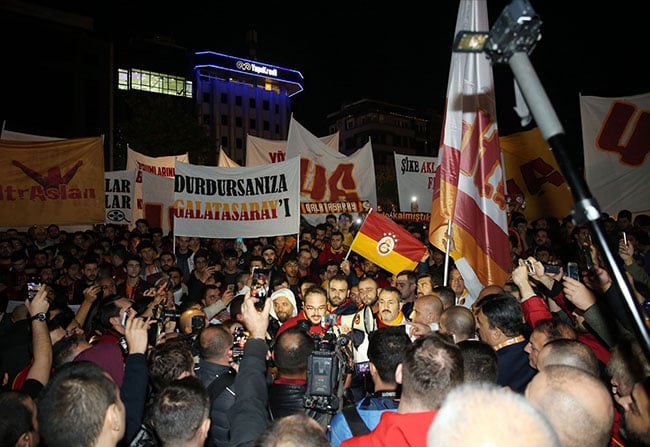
(265, 104)
(206, 97)
(238, 100)
(266, 125)
(239, 143)
(224, 142)
(224, 120)
(251, 103)
(238, 121)
(153, 82)
(277, 129)
(206, 119)
(252, 123)
(224, 98)
(277, 109)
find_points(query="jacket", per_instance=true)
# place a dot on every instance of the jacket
(370, 410)
(220, 427)
(396, 430)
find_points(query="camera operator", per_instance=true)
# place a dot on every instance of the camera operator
(385, 352)
(291, 355)
(215, 355)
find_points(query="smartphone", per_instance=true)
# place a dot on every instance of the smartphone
(231, 287)
(531, 268)
(551, 268)
(32, 289)
(572, 270)
(624, 237)
(124, 317)
(260, 282)
(362, 367)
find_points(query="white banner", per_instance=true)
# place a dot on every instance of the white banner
(225, 161)
(331, 182)
(161, 166)
(415, 182)
(261, 151)
(120, 189)
(19, 136)
(158, 200)
(237, 202)
(616, 139)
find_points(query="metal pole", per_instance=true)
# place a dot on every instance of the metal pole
(586, 210)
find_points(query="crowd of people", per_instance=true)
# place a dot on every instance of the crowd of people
(121, 336)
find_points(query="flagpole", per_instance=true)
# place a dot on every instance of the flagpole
(350, 248)
(524, 35)
(447, 249)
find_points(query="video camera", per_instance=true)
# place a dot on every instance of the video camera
(327, 367)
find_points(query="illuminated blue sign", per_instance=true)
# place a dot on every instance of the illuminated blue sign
(216, 61)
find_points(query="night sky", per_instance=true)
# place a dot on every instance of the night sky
(400, 54)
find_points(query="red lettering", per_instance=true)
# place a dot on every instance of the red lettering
(537, 172)
(614, 128)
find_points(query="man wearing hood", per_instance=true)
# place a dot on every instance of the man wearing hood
(284, 307)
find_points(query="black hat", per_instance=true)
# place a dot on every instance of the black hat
(267, 247)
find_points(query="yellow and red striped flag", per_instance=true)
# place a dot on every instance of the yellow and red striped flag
(468, 185)
(387, 244)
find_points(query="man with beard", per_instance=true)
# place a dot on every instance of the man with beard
(315, 306)
(360, 326)
(338, 296)
(284, 307)
(636, 415)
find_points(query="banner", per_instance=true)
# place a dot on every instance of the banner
(414, 182)
(331, 182)
(158, 201)
(261, 151)
(533, 176)
(48, 182)
(468, 184)
(119, 187)
(616, 138)
(225, 161)
(19, 136)
(161, 166)
(387, 244)
(237, 202)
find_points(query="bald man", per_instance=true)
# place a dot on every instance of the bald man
(495, 416)
(578, 405)
(569, 352)
(459, 322)
(425, 315)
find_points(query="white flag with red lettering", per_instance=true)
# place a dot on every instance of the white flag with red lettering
(616, 139)
(468, 184)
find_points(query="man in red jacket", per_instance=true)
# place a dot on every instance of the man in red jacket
(432, 367)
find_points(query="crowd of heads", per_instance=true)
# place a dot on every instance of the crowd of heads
(547, 351)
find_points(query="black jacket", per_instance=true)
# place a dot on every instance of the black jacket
(220, 427)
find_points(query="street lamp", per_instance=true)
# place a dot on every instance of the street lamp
(512, 38)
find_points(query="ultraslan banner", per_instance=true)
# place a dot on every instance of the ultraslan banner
(237, 202)
(48, 182)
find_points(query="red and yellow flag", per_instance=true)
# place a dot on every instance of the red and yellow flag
(468, 185)
(387, 244)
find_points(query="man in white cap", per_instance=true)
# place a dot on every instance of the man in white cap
(284, 307)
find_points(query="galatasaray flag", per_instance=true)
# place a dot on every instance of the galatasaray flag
(387, 244)
(468, 186)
